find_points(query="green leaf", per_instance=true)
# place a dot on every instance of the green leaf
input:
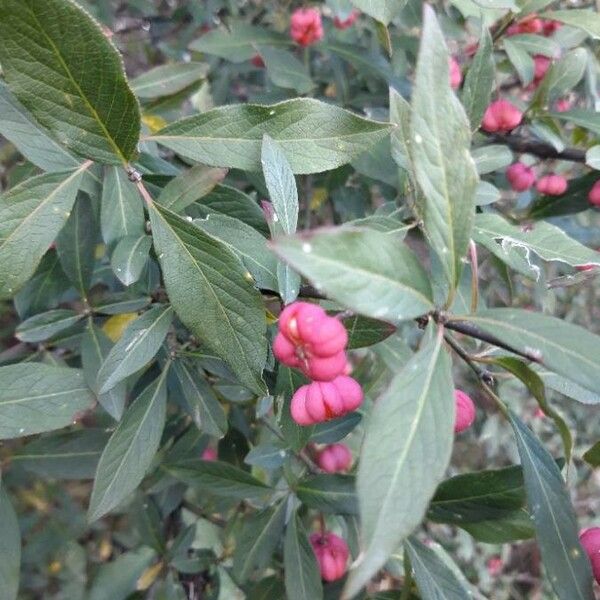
(503, 530)
(314, 136)
(35, 397)
(44, 325)
(381, 10)
(336, 429)
(440, 142)
(95, 346)
(574, 200)
(190, 186)
(329, 493)
(117, 579)
(562, 76)
(136, 347)
(568, 388)
(407, 446)
(76, 244)
(238, 42)
(169, 79)
(218, 478)
(587, 119)
(121, 302)
(258, 540)
(32, 140)
(199, 270)
(536, 44)
(73, 79)
(69, 455)
(280, 184)
(130, 449)
(562, 347)
(288, 282)
(205, 409)
(586, 20)
(301, 572)
(288, 381)
(370, 273)
(130, 257)
(592, 157)
(491, 158)
(555, 522)
(230, 202)
(285, 70)
(521, 61)
(478, 496)
(547, 241)
(10, 549)
(486, 193)
(535, 385)
(31, 215)
(592, 456)
(435, 579)
(122, 213)
(248, 244)
(363, 331)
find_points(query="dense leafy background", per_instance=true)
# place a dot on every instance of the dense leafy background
(172, 172)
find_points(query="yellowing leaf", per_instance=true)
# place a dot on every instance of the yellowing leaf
(148, 577)
(153, 122)
(116, 325)
(318, 198)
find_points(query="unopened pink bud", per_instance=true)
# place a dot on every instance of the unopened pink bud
(530, 24)
(335, 458)
(495, 566)
(306, 27)
(520, 176)
(346, 23)
(549, 27)
(332, 555)
(209, 454)
(541, 65)
(465, 411)
(594, 194)
(501, 117)
(590, 540)
(455, 73)
(552, 185)
(563, 105)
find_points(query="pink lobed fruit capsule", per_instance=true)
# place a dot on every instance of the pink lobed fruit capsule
(346, 23)
(321, 401)
(310, 340)
(590, 540)
(306, 27)
(541, 64)
(335, 458)
(594, 194)
(552, 185)
(465, 411)
(455, 73)
(332, 555)
(520, 176)
(209, 454)
(501, 117)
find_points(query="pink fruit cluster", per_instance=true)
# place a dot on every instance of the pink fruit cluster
(590, 540)
(465, 411)
(533, 24)
(522, 177)
(501, 117)
(332, 554)
(306, 27)
(312, 341)
(455, 73)
(594, 194)
(335, 458)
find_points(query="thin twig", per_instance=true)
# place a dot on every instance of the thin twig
(482, 374)
(475, 332)
(522, 144)
(474, 276)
